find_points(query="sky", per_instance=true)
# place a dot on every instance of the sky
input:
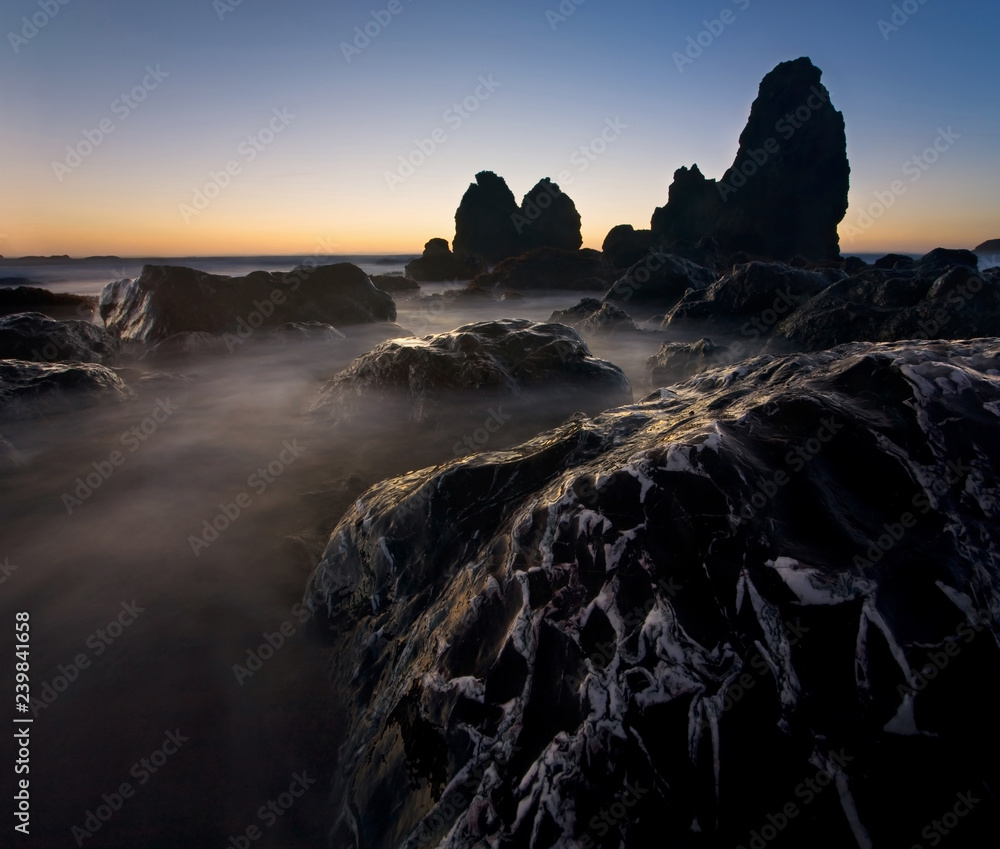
(231, 127)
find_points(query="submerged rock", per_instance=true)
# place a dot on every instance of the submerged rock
(686, 609)
(394, 283)
(593, 316)
(31, 390)
(38, 338)
(165, 300)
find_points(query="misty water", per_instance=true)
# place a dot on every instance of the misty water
(206, 436)
(190, 446)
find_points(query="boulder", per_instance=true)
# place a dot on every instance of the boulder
(624, 246)
(786, 191)
(548, 269)
(940, 296)
(165, 300)
(30, 390)
(662, 625)
(593, 316)
(38, 338)
(58, 305)
(394, 282)
(658, 281)
(437, 382)
(990, 246)
(438, 264)
(677, 361)
(761, 290)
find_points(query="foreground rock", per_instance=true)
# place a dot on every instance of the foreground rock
(548, 269)
(524, 371)
(686, 610)
(940, 296)
(786, 191)
(165, 300)
(58, 305)
(38, 338)
(31, 390)
(439, 264)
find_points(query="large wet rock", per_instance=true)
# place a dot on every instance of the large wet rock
(774, 586)
(438, 264)
(940, 296)
(451, 382)
(166, 299)
(763, 291)
(786, 191)
(549, 268)
(31, 390)
(38, 338)
(658, 281)
(58, 305)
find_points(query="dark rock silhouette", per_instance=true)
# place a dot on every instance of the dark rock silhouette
(652, 610)
(57, 305)
(658, 281)
(35, 390)
(894, 261)
(786, 191)
(989, 246)
(548, 219)
(548, 268)
(625, 246)
(485, 220)
(438, 264)
(489, 223)
(38, 338)
(165, 300)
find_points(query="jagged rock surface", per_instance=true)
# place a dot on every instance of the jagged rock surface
(684, 609)
(38, 338)
(31, 390)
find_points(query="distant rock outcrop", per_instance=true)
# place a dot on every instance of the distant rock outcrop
(593, 316)
(166, 299)
(989, 246)
(490, 224)
(625, 246)
(786, 192)
(439, 264)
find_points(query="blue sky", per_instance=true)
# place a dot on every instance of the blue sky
(215, 74)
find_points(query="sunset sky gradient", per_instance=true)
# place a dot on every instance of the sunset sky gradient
(217, 74)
